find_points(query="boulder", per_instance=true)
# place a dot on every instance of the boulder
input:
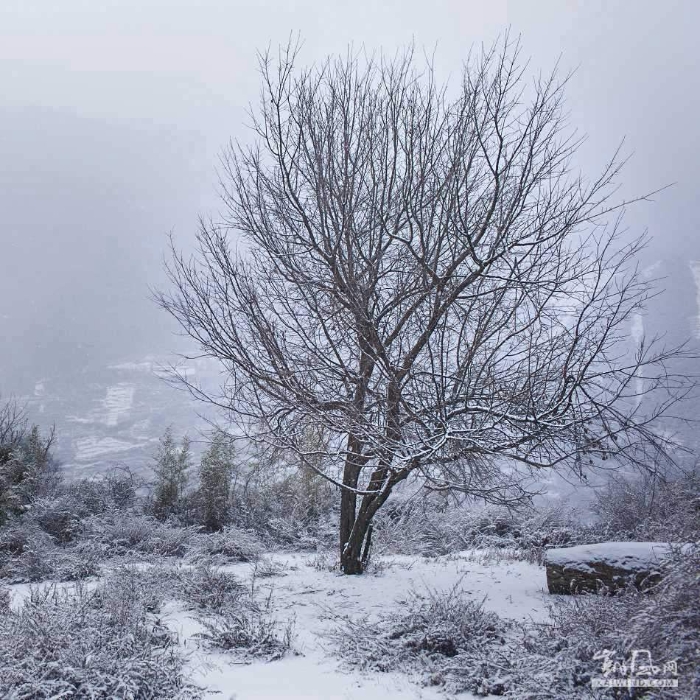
(607, 566)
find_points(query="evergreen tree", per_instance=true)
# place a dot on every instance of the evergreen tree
(171, 467)
(215, 473)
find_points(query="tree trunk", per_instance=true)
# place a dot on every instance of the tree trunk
(348, 507)
(352, 557)
(348, 497)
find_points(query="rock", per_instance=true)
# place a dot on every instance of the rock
(606, 566)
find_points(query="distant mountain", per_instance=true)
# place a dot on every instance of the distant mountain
(113, 415)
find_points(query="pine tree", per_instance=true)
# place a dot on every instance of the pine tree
(171, 467)
(215, 472)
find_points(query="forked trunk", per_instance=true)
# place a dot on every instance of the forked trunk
(354, 554)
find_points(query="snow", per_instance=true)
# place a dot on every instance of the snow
(307, 677)
(144, 366)
(90, 449)
(316, 599)
(113, 408)
(623, 555)
(118, 403)
(637, 329)
(695, 271)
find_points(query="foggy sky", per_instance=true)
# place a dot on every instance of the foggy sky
(112, 114)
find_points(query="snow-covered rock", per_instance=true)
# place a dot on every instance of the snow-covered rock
(614, 565)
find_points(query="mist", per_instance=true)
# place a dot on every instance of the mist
(112, 117)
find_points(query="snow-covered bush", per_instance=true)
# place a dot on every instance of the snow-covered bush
(5, 598)
(212, 499)
(89, 643)
(113, 492)
(48, 537)
(167, 540)
(248, 629)
(62, 514)
(668, 623)
(450, 640)
(265, 567)
(124, 533)
(171, 467)
(435, 525)
(228, 545)
(324, 561)
(28, 554)
(664, 621)
(59, 517)
(232, 615)
(286, 504)
(77, 563)
(211, 589)
(120, 534)
(655, 507)
(441, 638)
(17, 537)
(562, 654)
(231, 612)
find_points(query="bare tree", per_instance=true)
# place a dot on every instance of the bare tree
(423, 277)
(13, 427)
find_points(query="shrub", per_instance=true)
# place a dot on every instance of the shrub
(121, 487)
(5, 598)
(435, 526)
(124, 533)
(59, 517)
(17, 537)
(231, 616)
(443, 638)
(247, 628)
(285, 503)
(268, 568)
(26, 553)
(250, 632)
(29, 555)
(449, 640)
(666, 622)
(116, 491)
(208, 588)
(78, 563)
(662, 506)
(230, 544)
(89, 643)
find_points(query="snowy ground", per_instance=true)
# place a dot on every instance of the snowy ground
(313, 598)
